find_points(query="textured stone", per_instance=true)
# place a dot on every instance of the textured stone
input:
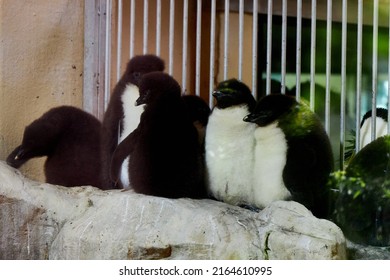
(42, 221)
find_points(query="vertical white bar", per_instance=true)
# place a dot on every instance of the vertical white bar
(269, 47)
(185, 46)
(284, 47)
(146, 26)
(158, 28)
(132, 27)
(107, 64)
(313, 54)
(241, 39)
(254, 47)
(343, 81)
(119, 41)
(198, 46)
(374, 69)
(359, 74)
(212, 51)
(298, 50)
(226, 40)
(388, 81)
(171, 35)
(328, 65)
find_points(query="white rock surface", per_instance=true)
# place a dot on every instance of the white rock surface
(42, 221)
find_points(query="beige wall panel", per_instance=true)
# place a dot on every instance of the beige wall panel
(41, 64)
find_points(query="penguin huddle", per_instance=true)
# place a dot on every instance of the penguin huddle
(162, 143)
(275, 150)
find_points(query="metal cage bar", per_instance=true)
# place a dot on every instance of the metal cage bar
(185, 47)
(240, 39)
(313, 53)
(171, 35)
(254, 46)
(374, 69)
(343, 81)
(269, 47)
(226, 40)
(284, 48)
(359, 74)
(298, 50)
(328, 64)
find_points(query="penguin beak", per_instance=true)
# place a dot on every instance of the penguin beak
(217, 94)
(141, 99)
(19, 154)
(258, 118)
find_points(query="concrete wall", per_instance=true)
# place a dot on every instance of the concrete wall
(41, 66)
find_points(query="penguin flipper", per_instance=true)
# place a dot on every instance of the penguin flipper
(122, 151)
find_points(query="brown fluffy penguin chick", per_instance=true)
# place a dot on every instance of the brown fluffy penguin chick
(122, 116)
(70, 138)
(165, 155)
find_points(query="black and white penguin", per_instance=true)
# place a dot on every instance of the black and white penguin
(122, 116)
(293, 155)
(381, 126)
(70, 138)
(229, 144)
(164, 148)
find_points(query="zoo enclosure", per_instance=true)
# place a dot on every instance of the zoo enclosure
(334, 54)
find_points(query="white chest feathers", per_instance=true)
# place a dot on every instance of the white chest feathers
(229, 148)
(131, 119)
(365, 131)
(270, 160)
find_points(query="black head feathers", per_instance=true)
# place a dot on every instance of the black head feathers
(232, 93)
(270, 108)
(155, 85)
(140, 65)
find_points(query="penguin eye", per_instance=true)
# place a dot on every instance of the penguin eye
(137, 75)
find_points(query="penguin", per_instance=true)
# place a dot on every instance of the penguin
(365, 126)
(164, 148)
(70, 138)
(293, 155)
(122, 116)
(229, 144)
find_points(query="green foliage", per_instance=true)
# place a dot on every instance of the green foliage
(361, 195)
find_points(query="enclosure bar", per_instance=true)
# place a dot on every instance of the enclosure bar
(185, 47)
(171, 35)
(254, 47)
(298, 50)
(284, 47)
(119, 41)
(313, 54)
(198, 46)
(374, 69)
(343, 81)
(212, 51)
(158, 28)
(146, 26)
(107, 65)
(132, 27)
(269, 47)
(241, 39)
(226, 40)
(359, 74)
(388, 81)
(328, 65)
